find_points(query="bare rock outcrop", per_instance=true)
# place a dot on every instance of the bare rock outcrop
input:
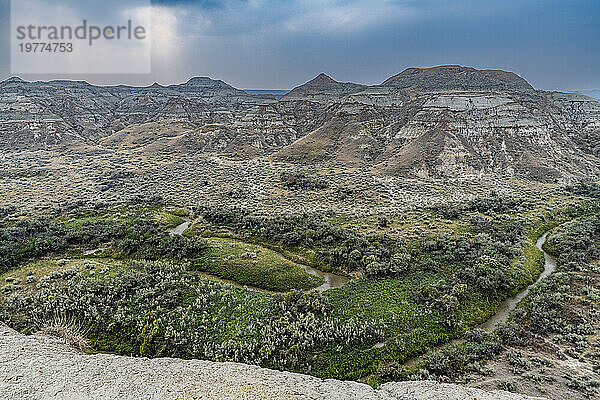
(41, 367)
(441, 122)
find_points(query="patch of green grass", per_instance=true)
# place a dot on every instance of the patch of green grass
(179, 212)
(297, 254)
(36, 268)
(168, 219)
(380, 298)
(410, 327)
(253, 265)
(532, 267)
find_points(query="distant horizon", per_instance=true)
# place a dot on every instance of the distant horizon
(584, 91)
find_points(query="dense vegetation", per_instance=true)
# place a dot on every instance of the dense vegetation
(412, 295)
(336, 248)
(28, 239)
(160, 309)
(562, 307)
(482, 257)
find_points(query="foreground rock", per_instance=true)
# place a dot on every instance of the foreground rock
(39, 367)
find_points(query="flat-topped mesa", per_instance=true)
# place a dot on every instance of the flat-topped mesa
(203, 83)
(321, 87)
(456, 77)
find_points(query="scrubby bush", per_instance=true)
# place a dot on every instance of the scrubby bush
(454, 360)
(398, 264)
(488, 275)
(493, 203)
(29, 239)
(589, 189)
(160, 309)
(300, 181)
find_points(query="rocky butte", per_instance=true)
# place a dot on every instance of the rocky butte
(440, 122)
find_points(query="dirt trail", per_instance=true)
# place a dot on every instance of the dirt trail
(330, 281)
(504, 310)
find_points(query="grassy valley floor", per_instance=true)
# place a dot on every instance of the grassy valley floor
(119, 282)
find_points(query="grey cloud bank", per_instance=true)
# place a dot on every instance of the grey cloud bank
(274, 44)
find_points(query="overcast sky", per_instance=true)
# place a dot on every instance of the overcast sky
(278, 44)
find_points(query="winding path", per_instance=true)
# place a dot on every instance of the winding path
(504, 310)
(333, 281)
(507, 306)
(330, 281)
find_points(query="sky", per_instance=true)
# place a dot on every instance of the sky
(279, 44)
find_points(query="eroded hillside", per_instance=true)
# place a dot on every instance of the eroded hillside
(442, 122)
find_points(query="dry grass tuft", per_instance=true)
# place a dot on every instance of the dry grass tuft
(68, 329)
